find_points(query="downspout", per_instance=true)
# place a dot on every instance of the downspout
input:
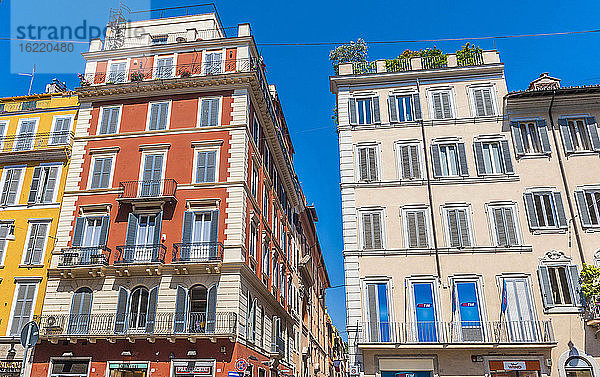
(429, 193)
(564, 180)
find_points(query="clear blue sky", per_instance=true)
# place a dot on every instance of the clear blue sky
(301, 73)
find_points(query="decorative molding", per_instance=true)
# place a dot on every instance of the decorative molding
(104, 150)
(150, 147)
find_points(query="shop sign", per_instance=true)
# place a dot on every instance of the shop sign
(235, 374)
(10, 366)
(128, 366)
(195, 370)
(514, 365)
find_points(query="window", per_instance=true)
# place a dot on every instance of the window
(275, 275)
(101, 173)
(545, 210)
(254, 183)
(266, 257)
(265, 202)
(197, 308)
(504, 220)
(416, 229)
(213, 63)
(578, 366)
(251, 318)
(441, 104)
(43, 184)
(579, 134)
(367, 163)
(61, 130)
(458, 227)
(372, 231)
(159, 39)
(449, 160)
(7, 229)
(159, 116)
(26, 136)
(519, 310)
(378, 312)
(81, 307)
(255, 130)
(10, 187)
(588, 201)
(151, 185)
(483, 101)
(209, 112)
(364, 110)
(90, 232)
(36, 242)
(467, 308)
(164, 68)
(206, 166)
(404, 108)
(117, 73)
(530, 137)
(493, 157)
(138, 311)
(409, 161)
(69, 368)
(29, 105)
(424, 312)
(22, 307)
(253, 242)
(110, 120)
(559, 281)
(143, 234)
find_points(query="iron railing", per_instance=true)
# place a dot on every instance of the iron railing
(197, 252)
(398, 65)
(35, 141)
(457, 332)
(170, 71)
(84, 256)
(592, 311)
(137, 324)
(25, 105)
(434, 61)
(360, 68)
(140, 254)
(148, 188)
(471, 58)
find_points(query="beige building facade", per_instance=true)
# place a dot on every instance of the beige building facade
(462, 243)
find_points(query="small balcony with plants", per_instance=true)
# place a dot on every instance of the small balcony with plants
(590, 287)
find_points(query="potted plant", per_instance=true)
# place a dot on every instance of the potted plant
(469, 55)
(185, 73)
(82, 80)
(137, 76)
(353, 52)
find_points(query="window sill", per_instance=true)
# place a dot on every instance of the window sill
(592, 229)
(31, 265)
(549, 231)
(582, 153)
(564, 310)
(527, 156)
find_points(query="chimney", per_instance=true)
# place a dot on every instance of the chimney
(545, 82)
(56, 87)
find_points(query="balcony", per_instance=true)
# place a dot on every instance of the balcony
(161, 190)
(11, 107)
(512, 334)
(278, 348)
(36, 147)
(197, 252)
(190, 325)
(592, 312)
(140, 254)
(84, 257)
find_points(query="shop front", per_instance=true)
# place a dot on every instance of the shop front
(193, 368)
(515, 368)
(128, 369)
(10, 368)
(407, 367)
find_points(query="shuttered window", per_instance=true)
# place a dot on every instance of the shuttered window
(493, 157)
(372, 230)
(560, 285)
(254, 183)
(404, 108)
(416, 229)
(253, 242)
(364, 110)
(545, 210)
(206, 166)
(209, 112)
(449, 160)
(483, 102)
(441, 104)
(110, 120)
(579, 134)
(6, 229)
(367, 164)
(504, 225)
(22, 307)
(159, 116)
(213, 63)
(266, 261)
(10, 189)
(60, 133)
(43, 184)
(117, 73)
(38, 231)
(101, 172)
(378, 312)
(530, 137)
(164, 68)
(409, 161)
(588, 202)
(458, 227)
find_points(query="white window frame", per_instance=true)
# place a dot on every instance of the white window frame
(362, 97)
(453, 110)
(112, 169)
(445, 143)
(11, 225)
(414, 208)
(255, 181)
(572, 118)
(491, 139)
(479, 281)
(360, 238)
(419, 145)
(551, 190)
(113, 61)
(378, 161)
(30, 222)
(164, 152)
(76, 359)
(388, 281)
(199, 112)
(223, 52)
(155, 65)
(55, 118)
(411, 299)
(58, 182)
(444, 213)
(101, 117)
(199, 149)
(6, 124)
(18, 281)
(149, 114)
(489, 209)
(17, 133)
(494, 96)
(408, 93)
(21, 180)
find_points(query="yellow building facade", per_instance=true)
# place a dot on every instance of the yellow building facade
(36, 134)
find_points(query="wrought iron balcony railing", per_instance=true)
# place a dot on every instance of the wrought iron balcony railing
(592, 311)
(497, 332)
(472, 58)
(35, 141)
(159, 188)
(434, 62)
(198, 252)
(84, 256)
(140, 254)
(113, 324)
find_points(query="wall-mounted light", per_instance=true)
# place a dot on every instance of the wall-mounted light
(192, 353)
(126, 353)
(223, 349)
(67, 354)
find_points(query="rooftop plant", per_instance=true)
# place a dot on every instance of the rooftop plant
(590, 281)
(348, 53)
(469, 55)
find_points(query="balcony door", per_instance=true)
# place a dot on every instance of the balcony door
(199, 236)
(519, 315)
(91, 239)
(198, 304)
(152, 175)
(81, 307)
(425, 316)
(468, 310)
(26, 136)
(378, 313)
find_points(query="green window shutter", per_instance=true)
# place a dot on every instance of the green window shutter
(376, 113)
(132, 225)
(566, 136)
(545, 287)
(462, 159)
(560, 209)
(392, 109)
(517, 138)
(435, 158)
(576, 292)
(121, 316)
(584, 210)
(416, 102)
(531, 213)
(35, 185)
(478, 147)
(180, 309)
(104, 230)
(78, 231)
(543, 133)
(211, 310)
(508, 165)
(593, 131)
(352, 110)
(151, 316)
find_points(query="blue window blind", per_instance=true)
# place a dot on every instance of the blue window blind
(425, 312)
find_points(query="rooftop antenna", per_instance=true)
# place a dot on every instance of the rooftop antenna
(117, 21)
(32, 74)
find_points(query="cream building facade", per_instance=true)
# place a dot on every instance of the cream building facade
(462, 243)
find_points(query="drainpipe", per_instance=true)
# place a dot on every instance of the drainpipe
(564, 180)
(429, 193)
